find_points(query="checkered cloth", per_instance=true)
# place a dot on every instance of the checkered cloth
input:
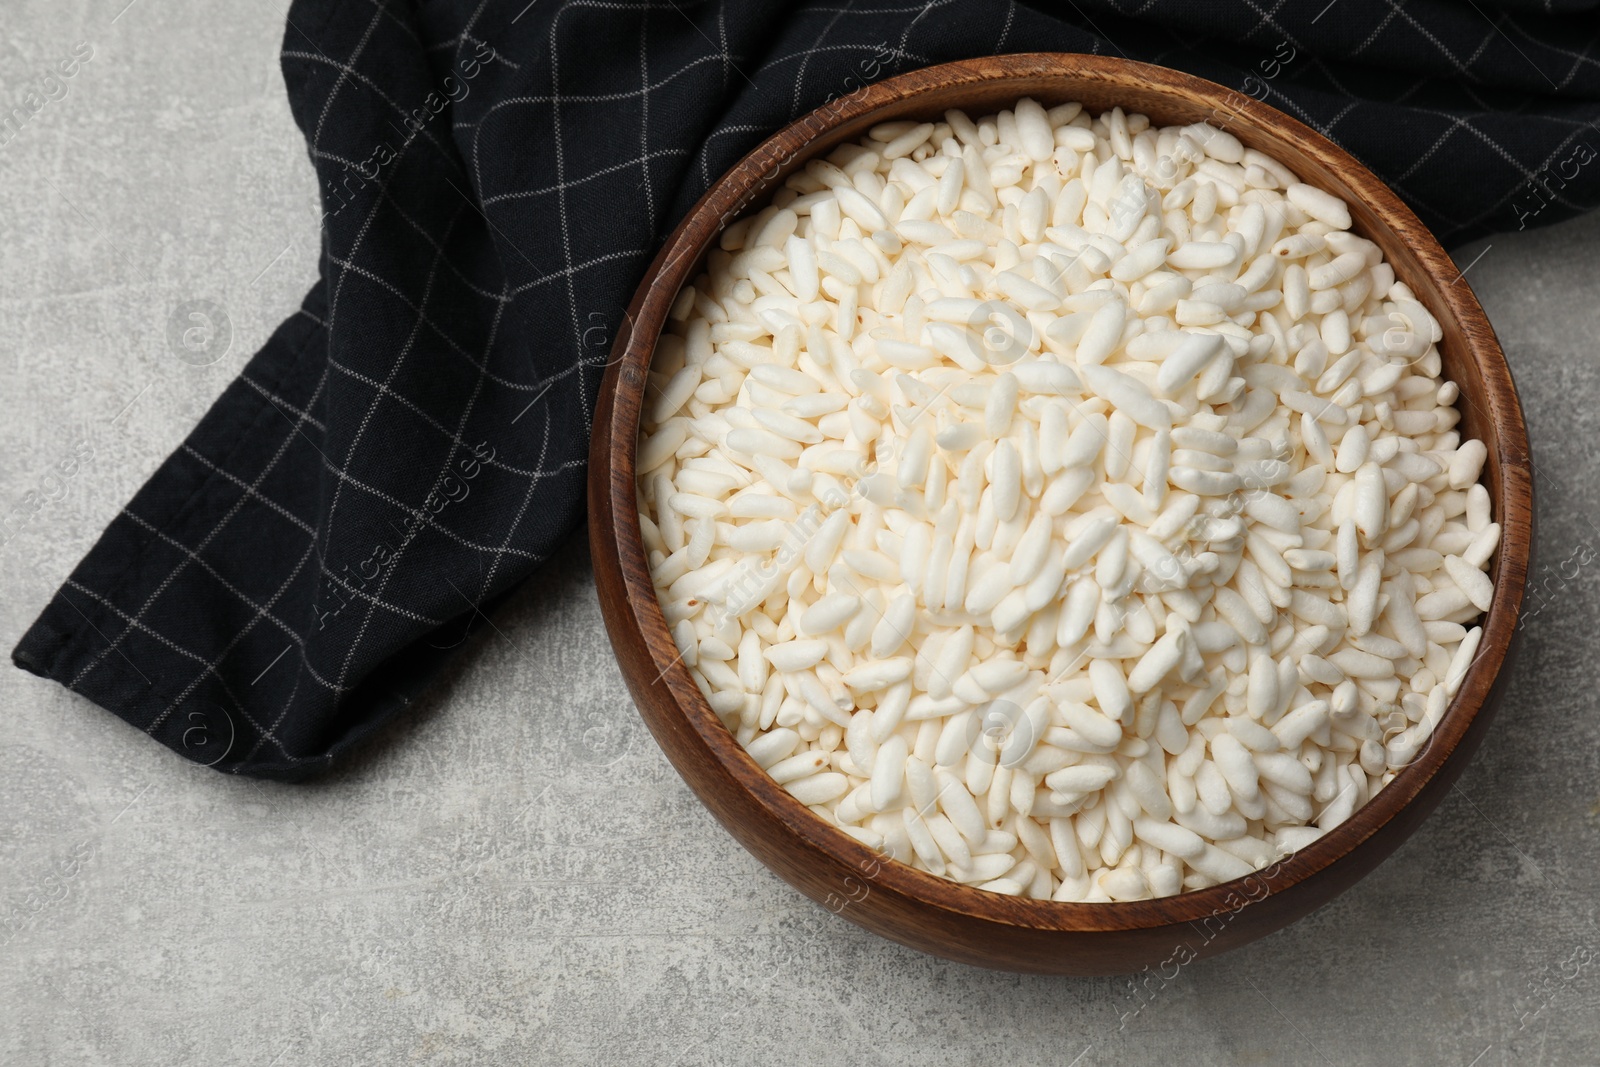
(496, 176)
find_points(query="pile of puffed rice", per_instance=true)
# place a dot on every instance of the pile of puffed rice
(1065, 506)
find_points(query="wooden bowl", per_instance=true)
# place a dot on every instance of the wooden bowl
(918, 909)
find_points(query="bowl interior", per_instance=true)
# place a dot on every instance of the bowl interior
(1470, 354)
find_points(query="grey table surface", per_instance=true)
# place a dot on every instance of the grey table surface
(514, 874)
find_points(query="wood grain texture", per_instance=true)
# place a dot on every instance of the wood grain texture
(918, 909)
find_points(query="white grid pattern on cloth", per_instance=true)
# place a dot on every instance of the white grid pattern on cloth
(372, 407)
(136, 619)
(541, 192)
(264, 610)
(134, 623)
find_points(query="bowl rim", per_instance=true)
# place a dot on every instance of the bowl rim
(752, 179)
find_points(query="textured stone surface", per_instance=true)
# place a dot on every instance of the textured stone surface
(514, 873)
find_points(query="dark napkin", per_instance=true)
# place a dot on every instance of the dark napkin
(496, 175)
